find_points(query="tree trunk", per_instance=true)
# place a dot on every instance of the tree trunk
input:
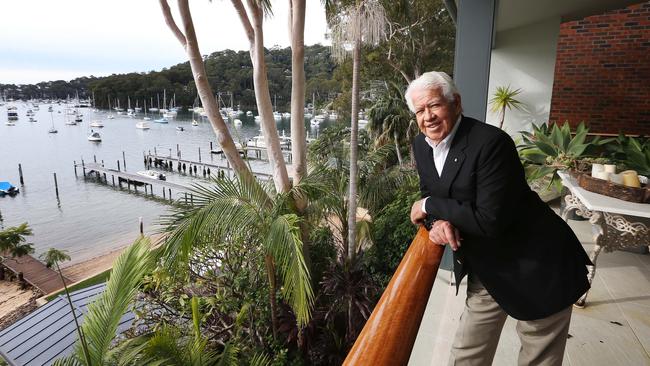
(264, 105)
(354, 150)
(298, 142)
(399, 153)
(205, 91)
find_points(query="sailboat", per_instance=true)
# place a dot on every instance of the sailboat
(152, 109)
(146, 118)
(110, 115)
(52, 130)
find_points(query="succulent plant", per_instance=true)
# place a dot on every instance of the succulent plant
(546, 150)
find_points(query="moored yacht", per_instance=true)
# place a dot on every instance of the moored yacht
(94, 137)
(152, 174)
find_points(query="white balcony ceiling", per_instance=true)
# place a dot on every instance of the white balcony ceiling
(517, 13)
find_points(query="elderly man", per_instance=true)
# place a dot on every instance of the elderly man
(521, 259)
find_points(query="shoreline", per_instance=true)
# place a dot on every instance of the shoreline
(91, 267)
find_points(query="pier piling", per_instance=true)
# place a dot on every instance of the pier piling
(83, 167)
(56, 186)
(118, 165)
(124, 159)
(199, 154)
(141, 226)
(94, 158)
(20, 173)
(75, 168)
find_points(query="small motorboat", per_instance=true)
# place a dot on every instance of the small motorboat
(98, 124)
(78, 118)
(8, 188)
(52, 130)
(315, 122)
(142, 125)
(32, 119)
(95, 137)
(110, 116)
(194, 123)
(152, 174)
(237, 122)
(10, 123)
(161, 120)
(180, 128)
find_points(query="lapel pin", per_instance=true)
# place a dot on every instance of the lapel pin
(455, 160)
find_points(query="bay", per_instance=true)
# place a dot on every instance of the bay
(90, 218)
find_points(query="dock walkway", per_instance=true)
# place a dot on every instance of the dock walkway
(35, 273)
(191, 163)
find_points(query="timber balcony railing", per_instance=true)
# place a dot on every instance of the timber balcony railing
(389, 334)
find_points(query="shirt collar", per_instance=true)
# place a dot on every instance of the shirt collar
(447, 140)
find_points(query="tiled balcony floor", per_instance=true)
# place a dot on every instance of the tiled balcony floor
(613, 329)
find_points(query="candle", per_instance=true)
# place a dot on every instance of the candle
(616, 178)
(610, 168)
(601, 175)
(631, 178)
(596, 168)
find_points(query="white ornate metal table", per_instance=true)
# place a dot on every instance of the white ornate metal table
(617, 224)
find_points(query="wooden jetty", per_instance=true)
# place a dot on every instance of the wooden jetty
(133, 181)
(35, 273)
(207, 169)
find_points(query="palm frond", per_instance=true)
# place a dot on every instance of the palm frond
(260, 359)
(103, 318)
(228, 207)
(284, 243)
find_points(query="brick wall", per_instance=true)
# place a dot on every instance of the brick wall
(602, 72)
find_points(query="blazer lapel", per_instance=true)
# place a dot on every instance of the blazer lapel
(455, 157)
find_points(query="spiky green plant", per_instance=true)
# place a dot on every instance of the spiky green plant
(547, 150)
(243, 207)
(52, 258)
(504, 99)
(631, 152)
(104, 314)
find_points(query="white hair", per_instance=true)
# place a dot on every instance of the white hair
(432, 80)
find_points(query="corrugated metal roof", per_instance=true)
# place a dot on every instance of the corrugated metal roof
(49, 332)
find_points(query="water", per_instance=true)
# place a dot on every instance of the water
(89, 218)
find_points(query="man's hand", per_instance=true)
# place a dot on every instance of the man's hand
(442, 232)
(417, 215)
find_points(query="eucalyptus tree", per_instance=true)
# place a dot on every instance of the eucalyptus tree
(188, 40)
(252, 18)
(354, 24)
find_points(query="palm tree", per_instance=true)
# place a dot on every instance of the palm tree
(53, 257)
(504, 98)
(389, 118)
(103, 317)
(353, 25)
(243, 207)
(13, 242)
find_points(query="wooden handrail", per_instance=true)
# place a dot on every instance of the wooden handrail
(389, 334)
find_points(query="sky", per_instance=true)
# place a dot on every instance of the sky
(42, 40)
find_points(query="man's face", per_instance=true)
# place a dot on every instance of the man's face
(435, 115)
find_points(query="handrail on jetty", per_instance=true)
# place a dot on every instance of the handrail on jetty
(390, 332)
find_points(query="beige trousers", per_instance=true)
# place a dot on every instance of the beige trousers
(477, 337)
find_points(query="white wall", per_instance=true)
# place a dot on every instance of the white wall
(524, 58)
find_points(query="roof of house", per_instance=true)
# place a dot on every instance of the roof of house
(49, 332)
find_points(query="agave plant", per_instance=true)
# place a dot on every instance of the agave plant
(631, 152)
(549, 149)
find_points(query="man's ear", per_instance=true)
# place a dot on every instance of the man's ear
(458, 106)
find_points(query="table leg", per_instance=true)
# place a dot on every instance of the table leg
(590, 275)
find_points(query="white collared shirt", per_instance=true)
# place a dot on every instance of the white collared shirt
(440, 152)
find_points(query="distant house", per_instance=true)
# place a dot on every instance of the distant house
(49, 333)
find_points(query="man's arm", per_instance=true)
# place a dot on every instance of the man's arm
(498, 189)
